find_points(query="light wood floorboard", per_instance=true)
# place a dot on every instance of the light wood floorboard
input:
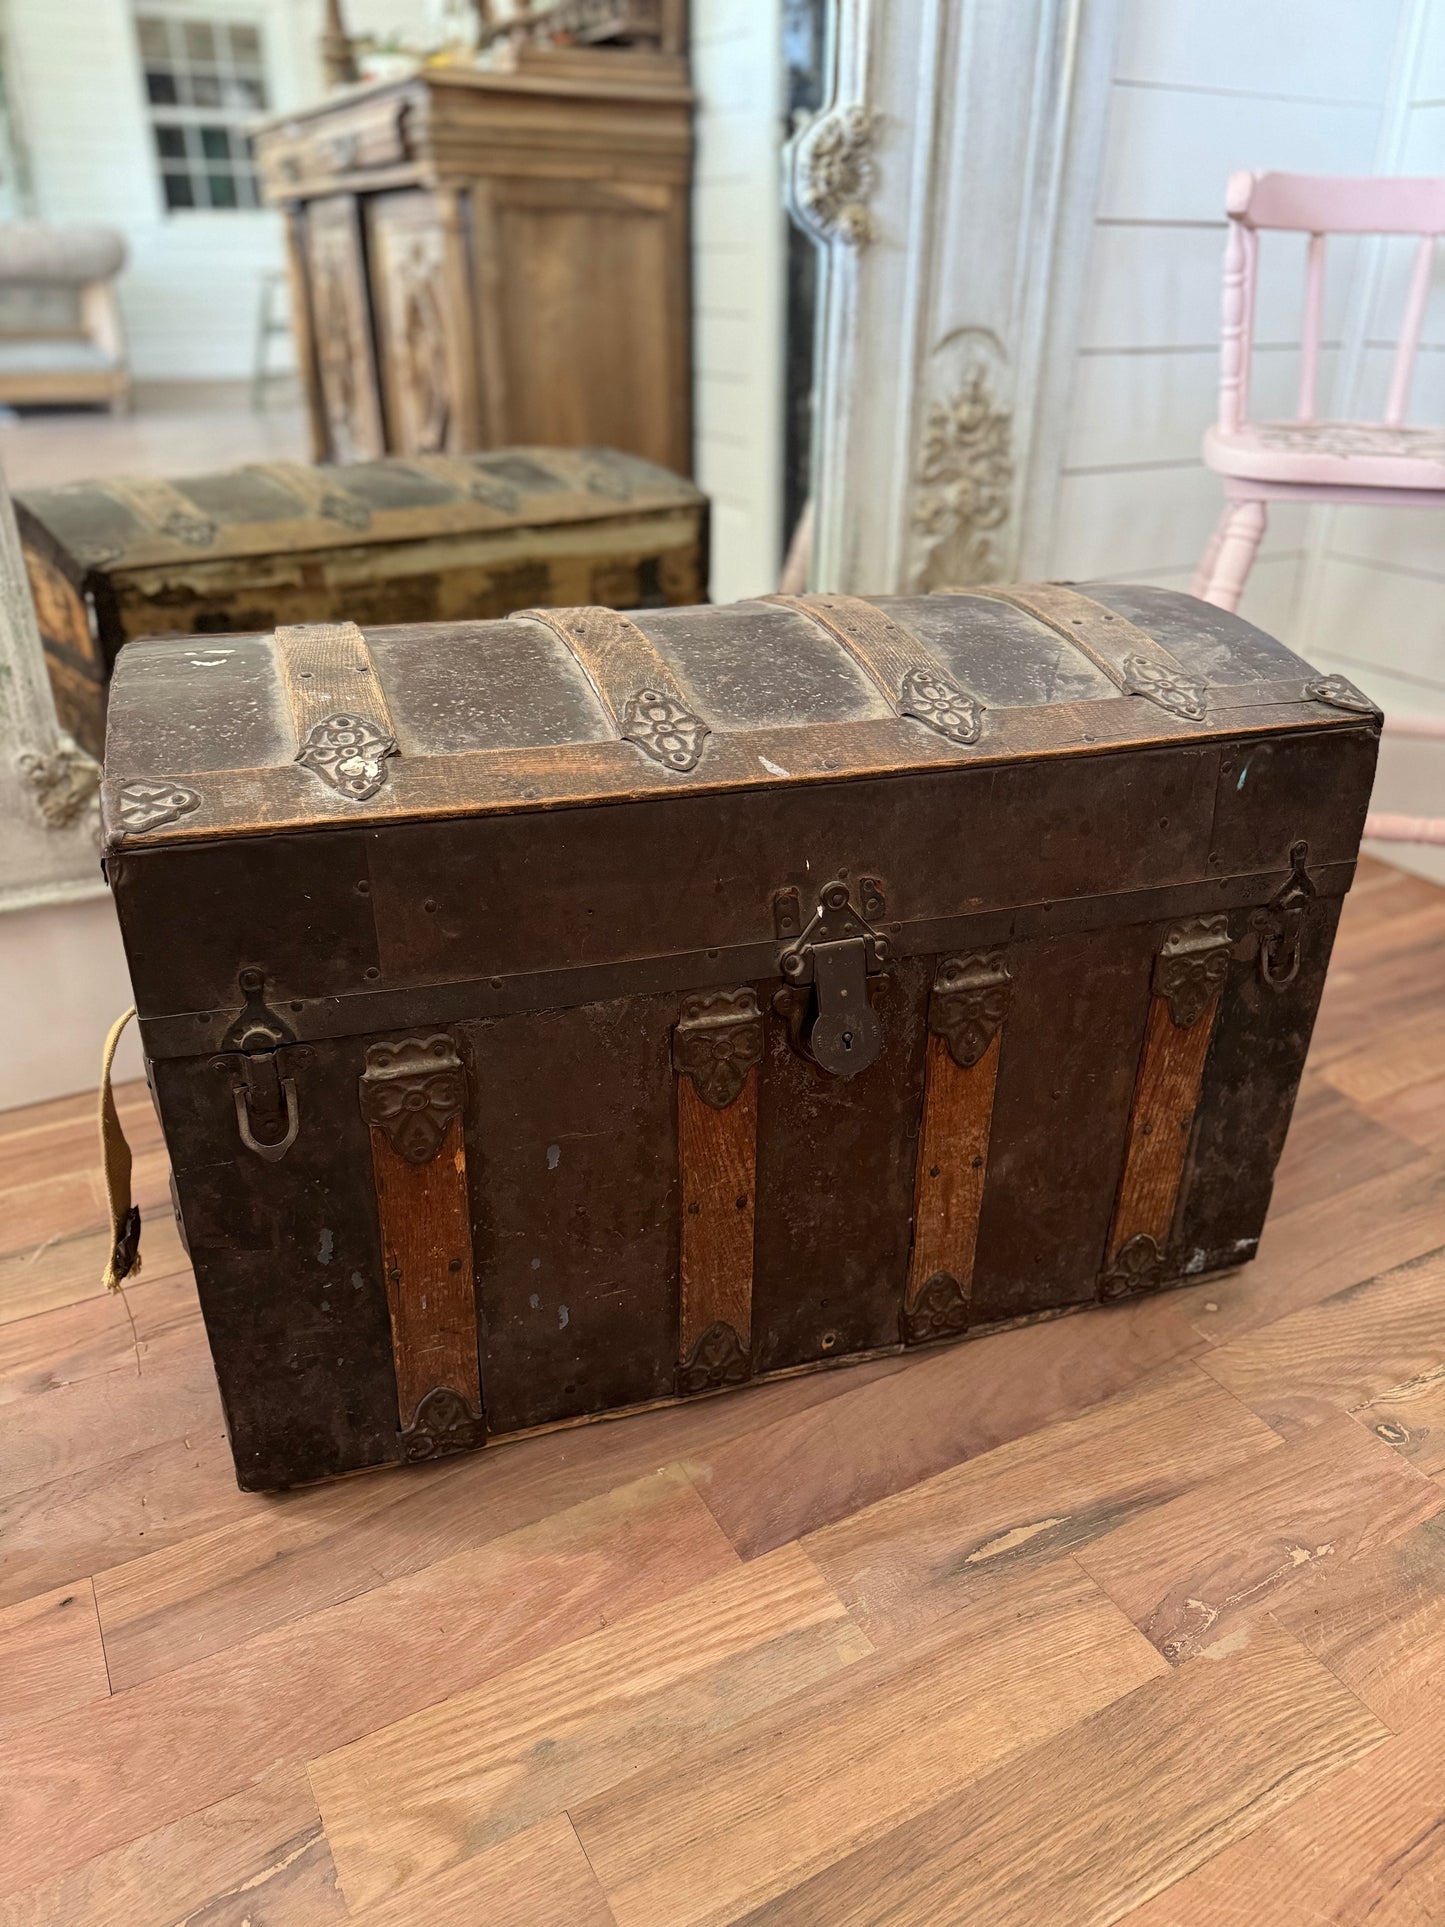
(1137, 1616)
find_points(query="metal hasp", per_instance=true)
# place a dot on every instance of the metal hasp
(835, 955)
(268, 1114)
(1279, 925)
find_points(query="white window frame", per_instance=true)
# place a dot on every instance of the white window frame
(191, 121)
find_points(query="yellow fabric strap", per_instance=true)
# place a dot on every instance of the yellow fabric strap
(124, 1260)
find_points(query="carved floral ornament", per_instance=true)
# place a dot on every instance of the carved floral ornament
(965, 474)
(835, 174)
(64, 783)
(423, 347)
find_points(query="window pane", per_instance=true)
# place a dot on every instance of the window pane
(223, 189)
(171, 143)
(206, 89)
(245, 92)
(153, 42)
(246, 192)
(246, 44)
(178, 190)
(161, 88)
(200, 40)
(214, 144)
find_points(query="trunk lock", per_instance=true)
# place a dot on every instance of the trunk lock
(825, 968)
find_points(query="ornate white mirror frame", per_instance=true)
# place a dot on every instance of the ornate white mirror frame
(49, 841)
(950, 185)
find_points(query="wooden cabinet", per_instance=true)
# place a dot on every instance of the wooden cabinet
(481, 259)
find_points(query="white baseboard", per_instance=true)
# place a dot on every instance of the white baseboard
(63, 982)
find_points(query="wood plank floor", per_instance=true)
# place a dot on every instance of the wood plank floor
(1135, 1616)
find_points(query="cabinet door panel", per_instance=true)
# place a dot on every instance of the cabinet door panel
(421, 298)
(341, 321)
(582, 291)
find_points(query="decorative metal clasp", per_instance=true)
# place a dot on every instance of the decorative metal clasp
(412, 1090)
(148, 805)
(718, 1040)
(833, 1021)
(349, 753)
(1191, 967)
(1340, 693)
(664, 728)
(716, 1360)
(1139, 1266)
(970, 999)
(442, 1425)
(1173, 689)
(1279, 926)
(936, 701)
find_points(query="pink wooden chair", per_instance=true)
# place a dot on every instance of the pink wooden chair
(1386, 463)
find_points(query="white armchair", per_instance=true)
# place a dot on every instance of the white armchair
(61, 338)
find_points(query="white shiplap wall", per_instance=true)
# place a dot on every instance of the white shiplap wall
(738, 288)
(191, 289)
(1202, 87)
(1375, 605)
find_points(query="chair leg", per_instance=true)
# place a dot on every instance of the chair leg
(1205, 570)
(1240, 531)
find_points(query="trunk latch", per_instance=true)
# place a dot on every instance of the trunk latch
(267, 1112)
(825, 968)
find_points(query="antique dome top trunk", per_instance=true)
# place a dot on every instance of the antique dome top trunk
(556, 1015)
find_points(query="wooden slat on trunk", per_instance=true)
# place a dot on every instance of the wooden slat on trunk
(716, 1049)
(411, 1095)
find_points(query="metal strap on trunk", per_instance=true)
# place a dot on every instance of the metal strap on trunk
(1129, 656)
(343, 726)
(896, 661)
(634, 685)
